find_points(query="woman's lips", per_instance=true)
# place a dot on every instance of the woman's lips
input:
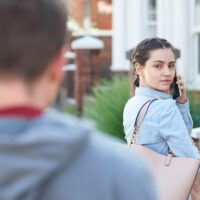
(166, 81)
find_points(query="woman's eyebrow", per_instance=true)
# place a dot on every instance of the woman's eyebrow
(163, 61)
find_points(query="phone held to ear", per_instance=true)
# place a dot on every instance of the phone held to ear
(176, 92)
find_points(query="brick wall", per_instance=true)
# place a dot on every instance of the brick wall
(76, 7)
(91, 66)
(105, 56)
(99, 20)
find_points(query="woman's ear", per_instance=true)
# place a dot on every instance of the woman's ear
(138, 69)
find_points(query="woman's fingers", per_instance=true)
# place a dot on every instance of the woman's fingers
(180, 82)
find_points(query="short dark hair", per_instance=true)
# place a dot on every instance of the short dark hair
(31, 33)
(142, 51)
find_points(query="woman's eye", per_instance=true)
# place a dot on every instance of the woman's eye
(157, 66)
(171, 66)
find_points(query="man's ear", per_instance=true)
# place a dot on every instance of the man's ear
(56, 66)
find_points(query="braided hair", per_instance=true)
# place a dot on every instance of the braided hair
(142, 52)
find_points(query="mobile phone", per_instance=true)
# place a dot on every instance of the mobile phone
(176, 92)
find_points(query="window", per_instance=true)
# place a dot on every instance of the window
(197, 14)
(197, 34)
(151, 18)
(198, 51)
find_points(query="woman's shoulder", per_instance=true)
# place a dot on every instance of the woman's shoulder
(164, 106)
(138, 101)
(163, 103)
(157, 108)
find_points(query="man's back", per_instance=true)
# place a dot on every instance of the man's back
(43, 155)
(50, 156)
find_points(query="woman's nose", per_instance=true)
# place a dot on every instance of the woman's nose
(166, 71)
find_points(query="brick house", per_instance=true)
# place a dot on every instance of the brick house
(99, 13)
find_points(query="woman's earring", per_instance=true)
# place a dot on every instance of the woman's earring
(137, 81)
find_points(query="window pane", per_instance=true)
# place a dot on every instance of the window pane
(197, 13)
(198, 52)
(152, 10)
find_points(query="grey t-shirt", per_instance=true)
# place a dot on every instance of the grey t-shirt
(54, 157)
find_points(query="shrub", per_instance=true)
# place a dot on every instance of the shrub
(70, 109)
(195, 112)
(107, 104)
(194, 108)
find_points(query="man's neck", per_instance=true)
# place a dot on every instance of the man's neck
(16, 93)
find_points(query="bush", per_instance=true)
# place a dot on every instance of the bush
(194, 109)
(195, 112)
(70, 109)
(107, 104)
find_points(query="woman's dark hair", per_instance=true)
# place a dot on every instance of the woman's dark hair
(142, 52)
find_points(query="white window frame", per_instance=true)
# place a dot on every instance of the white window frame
(151, 22)
(196, 52)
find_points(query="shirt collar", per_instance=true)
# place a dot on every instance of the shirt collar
(144, 91)
(26, 112)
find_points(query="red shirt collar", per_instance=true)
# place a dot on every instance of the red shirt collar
(26, 112)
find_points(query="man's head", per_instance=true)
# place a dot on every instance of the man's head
(32, 34)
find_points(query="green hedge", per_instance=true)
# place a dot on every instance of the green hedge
(107, 104)
(194, 108)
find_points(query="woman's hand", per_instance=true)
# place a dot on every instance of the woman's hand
(183, 98)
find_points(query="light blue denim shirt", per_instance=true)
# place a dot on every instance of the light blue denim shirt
(166, 123)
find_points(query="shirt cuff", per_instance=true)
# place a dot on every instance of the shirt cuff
(184, 107)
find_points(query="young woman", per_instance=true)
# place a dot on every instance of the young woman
(168, 122)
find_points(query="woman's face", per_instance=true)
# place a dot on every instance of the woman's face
(159, 71)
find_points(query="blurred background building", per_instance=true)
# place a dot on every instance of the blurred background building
(176, 20)
(120, 25)
(90, 55)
